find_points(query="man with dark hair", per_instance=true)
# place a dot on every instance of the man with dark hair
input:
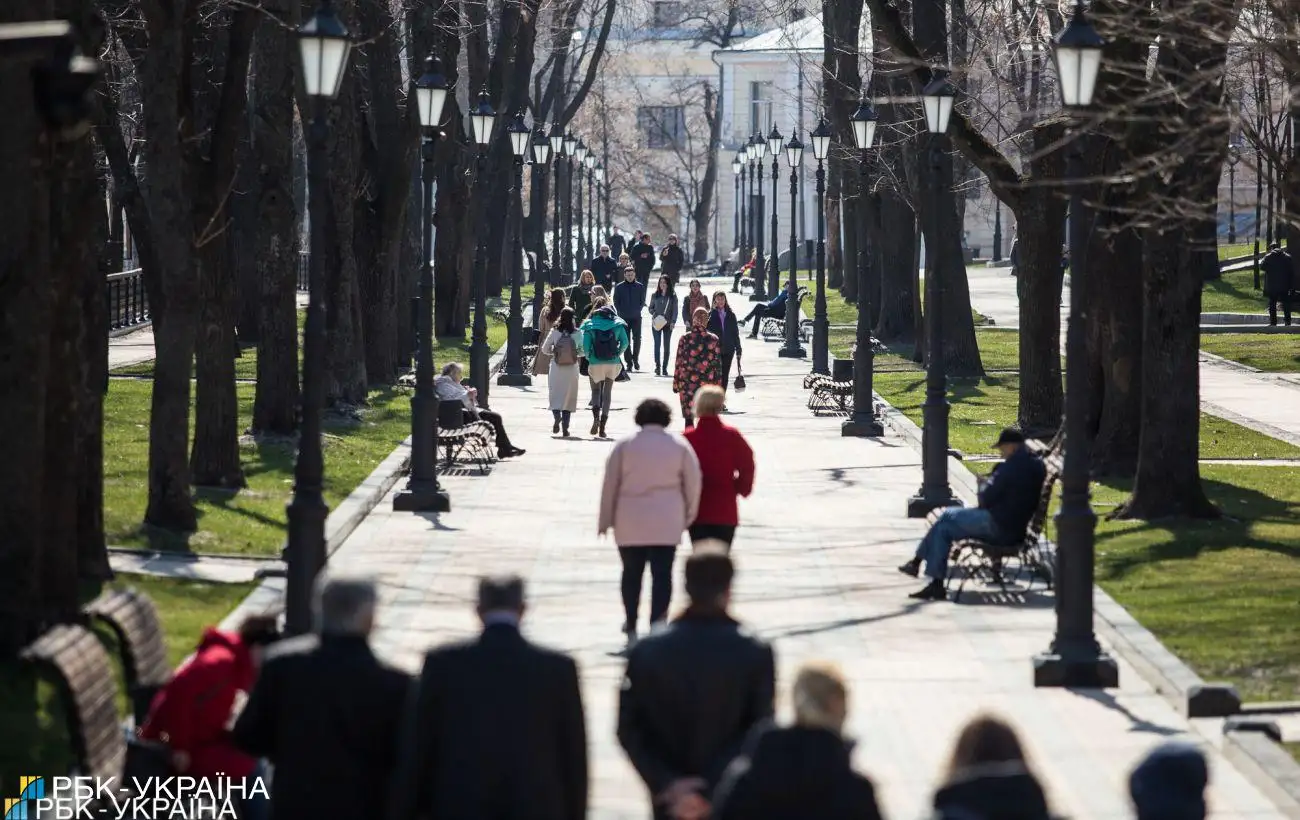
(1279, 281)
(1007, 502)
(495, 727)
(692, 692)
(617, 243)
(643, 259)
(672, 259)
(629, 302)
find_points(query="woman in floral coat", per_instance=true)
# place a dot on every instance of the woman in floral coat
(699, 362)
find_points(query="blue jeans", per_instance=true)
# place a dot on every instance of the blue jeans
(954, 524)
(663, 339)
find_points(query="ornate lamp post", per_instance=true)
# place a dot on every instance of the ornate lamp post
(1075, 658)
(482, 120)
(570, 146)
(742, 158)
(423, 493)
(557, 154)
(1234, 156)
(758, 150)
(863, 423)
(821, 140)
(514, 375)
(792, 348)
(324, 47)
(580, 154)
(541, 156)
(593, 242)
(774, 148)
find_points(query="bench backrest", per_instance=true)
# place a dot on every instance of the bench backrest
(134, 620)
(76, 660)
(1052, 458)
(450, 416)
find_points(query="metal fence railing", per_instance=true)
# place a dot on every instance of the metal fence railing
(128, 304)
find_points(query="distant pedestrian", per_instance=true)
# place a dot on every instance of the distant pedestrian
(605, 268)
(580, 295)
(1279, 281)
(663, 316)
(727, 467)
(989, 778)
(803, 771)
(699, 362)
(549, 316)
(617, 243)
(630, 302)
(744, 270)
(643, 259)
(495, 728)
(723, 324)
(604, 340)
(692, 692)
(695, 298)
(1014, 255)
(563, 346)
(1169, 783)
(327, 711)
(672, 259)
(650, 494)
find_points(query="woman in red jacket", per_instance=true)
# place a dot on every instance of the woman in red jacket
(727, 464)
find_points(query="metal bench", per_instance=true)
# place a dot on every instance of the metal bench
(473, 441)
(827, 396)
(134, 621)
(1034, 554)
(76, 661)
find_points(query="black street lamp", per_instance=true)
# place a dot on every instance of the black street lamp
(324, 47)
(580, 157)
(570, 146)
(1234, 156)
(742, 158)
(1075, 658)
(602, 205)
(758, 150)
(423, 493)
(774, 147)
(863, 424)
(557, 154)
(793, 349)
(937, 98)
(541, 156)
(997, 229)
(513, 375)
(482, 120)
(821, 140)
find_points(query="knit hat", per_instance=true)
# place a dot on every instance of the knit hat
(1170, 784)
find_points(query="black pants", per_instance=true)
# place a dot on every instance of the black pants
(494, 419)
(661, 580)
(726, 369)
(722, 532)
(1285, 302)
(735, 280)
(632, 355)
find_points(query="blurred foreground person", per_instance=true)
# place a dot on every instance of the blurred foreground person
(727, 467)
(989, 778)
(1169, 783)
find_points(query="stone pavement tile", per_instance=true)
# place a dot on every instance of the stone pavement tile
(816, 554)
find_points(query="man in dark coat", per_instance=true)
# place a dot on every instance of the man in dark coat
(692, 692)
(325, 712)
(643, 259)
(1279, 281)
(672, 259)
(494, 729)
(604, 268)
(617, 243)
(1007, 502)
(629, 302)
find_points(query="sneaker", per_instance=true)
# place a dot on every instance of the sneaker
(911, 568)
(934, 591)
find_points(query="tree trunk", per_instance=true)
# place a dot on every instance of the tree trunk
(849, 287)
(895, 242)
(1040, 227)
(834, 216)
(1115, 347)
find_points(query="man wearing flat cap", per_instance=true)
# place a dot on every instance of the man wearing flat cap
(494, 728)
(1007, 502)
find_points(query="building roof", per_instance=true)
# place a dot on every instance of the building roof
(801, 35)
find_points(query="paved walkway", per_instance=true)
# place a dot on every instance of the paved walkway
(1266, 402)
(816, 557)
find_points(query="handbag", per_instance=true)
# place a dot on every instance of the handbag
(740, 378)
(583, 366)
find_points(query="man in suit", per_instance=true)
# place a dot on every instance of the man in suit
(324, 710)
(494, 729)
(692, 692)
(629, 302)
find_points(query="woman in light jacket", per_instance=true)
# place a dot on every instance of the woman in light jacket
(550, 314)
(562, 378)
(651, 494)
(663, 303)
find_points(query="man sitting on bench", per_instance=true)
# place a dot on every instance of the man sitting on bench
(774, 309)
(1008, 501)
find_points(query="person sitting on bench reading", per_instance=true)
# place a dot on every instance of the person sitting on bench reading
(1008, 501)
(774, 309)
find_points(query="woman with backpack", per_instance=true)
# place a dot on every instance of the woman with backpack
(663, 315)
(549, 316)
(604, 339)
(563, 347)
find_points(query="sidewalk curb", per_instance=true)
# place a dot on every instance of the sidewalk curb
(1266, 765)
(128, 330)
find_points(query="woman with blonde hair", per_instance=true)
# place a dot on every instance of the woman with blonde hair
(801, 771)
(727, 464)
(988, 776)
(581, 294)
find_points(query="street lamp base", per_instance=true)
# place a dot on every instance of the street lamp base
(792, 353)
(862, 427)
(1083, 671)
(422, 497)
(515, 380)
(921, 505)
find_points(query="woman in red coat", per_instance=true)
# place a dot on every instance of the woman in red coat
(727, 464)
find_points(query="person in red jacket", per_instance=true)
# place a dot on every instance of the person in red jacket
(727, 464)
(193, 713)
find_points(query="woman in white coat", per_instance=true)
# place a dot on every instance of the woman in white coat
(563, 347)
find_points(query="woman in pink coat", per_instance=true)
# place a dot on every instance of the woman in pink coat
(651, 495)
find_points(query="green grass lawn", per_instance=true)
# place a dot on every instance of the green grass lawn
(1271, 352)
(1233, 293)
(1239, 249)
(1294, 749)
(31, 719)
(999, 350)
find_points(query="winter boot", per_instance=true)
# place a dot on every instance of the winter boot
(603, 419)
(595, 421)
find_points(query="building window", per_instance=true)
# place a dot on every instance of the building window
(667, 13)
(662, 126)
(760, 107)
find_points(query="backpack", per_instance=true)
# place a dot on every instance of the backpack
(565, 350)
(604, 344)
